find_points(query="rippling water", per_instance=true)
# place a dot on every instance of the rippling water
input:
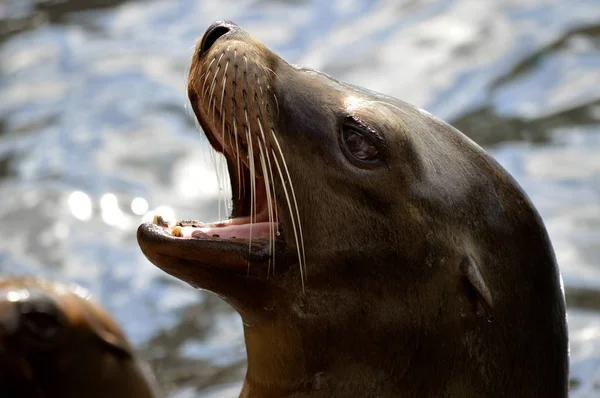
(96, 134)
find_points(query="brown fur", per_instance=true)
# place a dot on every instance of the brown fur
(55, 343)
(430, 275)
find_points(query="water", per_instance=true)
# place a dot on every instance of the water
(95, 133)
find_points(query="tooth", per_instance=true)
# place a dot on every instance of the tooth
(158, 220)
(177, 231)
(190, 223)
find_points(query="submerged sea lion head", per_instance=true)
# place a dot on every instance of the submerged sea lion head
(56, 342)
(370, 245)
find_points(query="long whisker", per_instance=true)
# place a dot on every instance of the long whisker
(270, 199)
(237, 151)
(212, 153)
(221, 188)
(276, 104)
(292, 216)
(274, 207)
(213, 84)
(274, 203)
(271, 70)
(252, 178)
(251, 157)
(240, 177)
(263, 164)
(293, 196)
(219, 165)
(207, 74)
(224, 85)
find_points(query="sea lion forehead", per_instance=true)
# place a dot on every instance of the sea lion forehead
(73, 301)
(377, 112)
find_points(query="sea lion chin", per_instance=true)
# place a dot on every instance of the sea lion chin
(55, 342)
(372, 249)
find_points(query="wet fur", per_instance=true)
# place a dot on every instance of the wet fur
(432, 275)
(88, 357)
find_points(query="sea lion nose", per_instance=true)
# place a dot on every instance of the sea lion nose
(214, 31)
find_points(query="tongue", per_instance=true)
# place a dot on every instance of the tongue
(261, 230)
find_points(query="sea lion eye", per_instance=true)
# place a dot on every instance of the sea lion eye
(40, 320)
(359, 147)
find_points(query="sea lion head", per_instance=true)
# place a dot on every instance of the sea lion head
(366, 237)
(56, 342)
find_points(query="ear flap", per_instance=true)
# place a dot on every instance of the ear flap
(116, 342)
(477, 290)
(106, 329)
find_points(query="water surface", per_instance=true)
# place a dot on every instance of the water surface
(96, 135)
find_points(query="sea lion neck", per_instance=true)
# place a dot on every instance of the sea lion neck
(356, 345)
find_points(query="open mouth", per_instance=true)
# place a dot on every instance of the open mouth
(254, 211)
(250, 233)
(253, 215)
(250, 218)
(231, 94)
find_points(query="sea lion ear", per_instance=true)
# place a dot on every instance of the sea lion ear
(476, 290)
(107, 330)
(116, 342)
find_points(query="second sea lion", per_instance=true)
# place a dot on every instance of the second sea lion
(55, 342)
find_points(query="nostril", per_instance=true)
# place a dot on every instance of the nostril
(211, 35)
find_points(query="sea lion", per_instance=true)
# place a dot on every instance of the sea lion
(372, 250)
(56, 342)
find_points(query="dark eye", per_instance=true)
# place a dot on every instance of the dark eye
(359, 146)
(40, 320)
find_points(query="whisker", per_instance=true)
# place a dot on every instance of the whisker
(274, 198)
(213, 161)
(250, 150)
(221, 172)
(271, 70)
(235, 133)
(252, 178)
(276, 104)
(287, 197)
(213, 84)
(224, 85)
(237, 152)
(293, 196)
(262, 133)
(269, 202)
(270, 199)
(228, 205)
(207, 74)
(221, 189)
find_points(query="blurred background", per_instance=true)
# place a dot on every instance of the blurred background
(96, 135)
